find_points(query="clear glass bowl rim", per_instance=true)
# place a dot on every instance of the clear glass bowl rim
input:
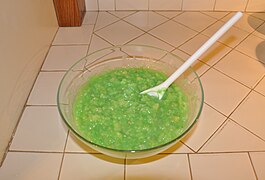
(129, 151)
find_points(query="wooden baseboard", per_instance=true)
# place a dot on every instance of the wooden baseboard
(70, 12)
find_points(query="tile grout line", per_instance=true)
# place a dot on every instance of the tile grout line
(225, 122)
(61, 165)
(181, 5)
(183, 143)
(37, 151)
(215, 152)
(245, 9)
(228, 117)
(169, 18)
(214, 5)
(148, 31)
(72, 44)
(220, 127)
(41, 105)
(190, 169)
(132, 12)
(216, 109)
(247, 129)
(252, 165)
(92, 34)
(199, 32)
(115, 21)
(214, 68)
(95, 34)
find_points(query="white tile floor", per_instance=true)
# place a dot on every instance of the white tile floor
(227, 143)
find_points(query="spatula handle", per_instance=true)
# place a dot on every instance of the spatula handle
(203, 48)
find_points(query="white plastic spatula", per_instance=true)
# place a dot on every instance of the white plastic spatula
(159, 90)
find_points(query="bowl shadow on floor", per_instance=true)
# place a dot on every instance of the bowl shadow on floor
(260, 49)
(260, 52)
(85, 149)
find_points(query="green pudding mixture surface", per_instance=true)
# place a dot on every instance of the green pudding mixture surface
(110, 111)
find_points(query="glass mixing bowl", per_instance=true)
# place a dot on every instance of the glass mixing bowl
(122, 57)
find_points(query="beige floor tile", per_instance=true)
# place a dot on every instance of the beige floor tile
(231, 38)
(73, 35)
(149, 40)
(44, 91)
(145, 20)
(242, 68)
(174, 61)
(63, 57)
(253, 46)
(221, 92)
(30, 166)
(169, 14)
(194, 44)
(158, 167)
(40, 129)
(176, 33)
(121, 14)
(195, 20)
(250, 114)
(104, 19)
(231, 137)
(246, 22)
(97, 43)
(179, 147)
(258, 161)
(90, 17)
(199, 67)
(87, 166)
(216, 14)
(183, 55)
(212, 55)
(221, 166)
(261, 87)
(207, 124)
(119, 33)
(75, 145)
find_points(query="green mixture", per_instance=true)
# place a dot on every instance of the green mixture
(110, 111)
